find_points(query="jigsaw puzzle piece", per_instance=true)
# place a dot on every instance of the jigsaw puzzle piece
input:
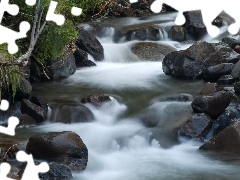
(4, 170)
(31, 171)
(51, 16)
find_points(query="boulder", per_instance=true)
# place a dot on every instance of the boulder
(96, 100)
(213, 104)
(80, 56)
(209, 88)
(89, 43)
(70, 113)
(225, 119)
(62, 147)
(226, 79)
(154, 34)
(237, 49)
(213, 73)
(25, 121)
(142, 33)
(61, 67)
(151, 51)
(231, 42)
(194, 24)
(236, 71)
(227, 140)
(86, 63)
(40, 102)
(177, 33)
(196, 126)
(56, 172)
(33, 110)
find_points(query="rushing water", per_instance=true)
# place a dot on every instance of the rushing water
(121, 145)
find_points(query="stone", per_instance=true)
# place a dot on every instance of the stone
(236, 71)
(213, 104)
(33, 110)
(177, 33)
(89, 43)
(70, 113)
(26, 121)
(227, 140)
(213, 73)
(237, 87)
(96, 100)
(40, 102)
(226, 79)
(196, 126)
(237, 49)
(80, 56)
(231, 42)
(209, 88)
(25, 89)
(62, 147)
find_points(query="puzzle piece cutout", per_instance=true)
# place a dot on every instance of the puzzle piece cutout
(30, 2)
(31, 171)
(7, 35)
(12, 121)
(210, 10)
(4, 170)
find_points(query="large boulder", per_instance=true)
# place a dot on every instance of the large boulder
(33, 110)
(72, 113)
(213, 104)
(227, 140)
(196, 126)
(151, 51)
(81, 58)
(40, 102)
(193, 62)
(61, 67)
(62, 147)
(89, 43)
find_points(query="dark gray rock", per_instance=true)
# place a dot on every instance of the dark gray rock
(25, 89)
(237, 88)
(231, 42)
(226, 79)
(236, 71)
(40, 102)
(89, 43)
(62, 147)
(177, 33)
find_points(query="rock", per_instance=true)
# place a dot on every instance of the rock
(25, 89)
(141, 34)
(80, 56)
(61, 67)
(26, 120)
(196, 126)
(56, 172)
(231, 42)
(226, 79)
(40, 102)
(224, 120)
(194, 24)
(213, 105)
(62, 147)
(213, 73)
(151, 51)
(237, 49)
(33, 110)
(167, 8)
(236, 71)
(227, 140)
(177, 33)
(153, 34)
(178, 65)
(10, 149)
(86, 63)
(209, 88)
(70, 113)
(218, 21)
(237, 88)
(89, 43)
(96, 100)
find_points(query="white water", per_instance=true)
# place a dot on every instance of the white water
(120, 147)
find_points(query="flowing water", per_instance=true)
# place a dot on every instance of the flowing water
(134, 137)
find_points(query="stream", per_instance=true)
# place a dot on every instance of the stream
(134, 137)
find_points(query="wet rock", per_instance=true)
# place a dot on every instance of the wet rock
(218, 21)
(151, 51)
(61, 67)
(96, 100)
(62, 147)
(80, 56)
(33, 110)
(177, 33)
(236, 71)
(209, 88)
(25, 89)
(167, 8)
(141, 34)
(26, 120)
(226, 79)
(154, 34)
(86, 63)
(237, 88)
(231, 42)
(196, 126)
(178, 65)
(224, 120)
(56, 172)
(227, 140)
(70, 113)
(213, 105)
(40, 102)
(89, 43)
(194, 24)
(213, 73)
(237, 49)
